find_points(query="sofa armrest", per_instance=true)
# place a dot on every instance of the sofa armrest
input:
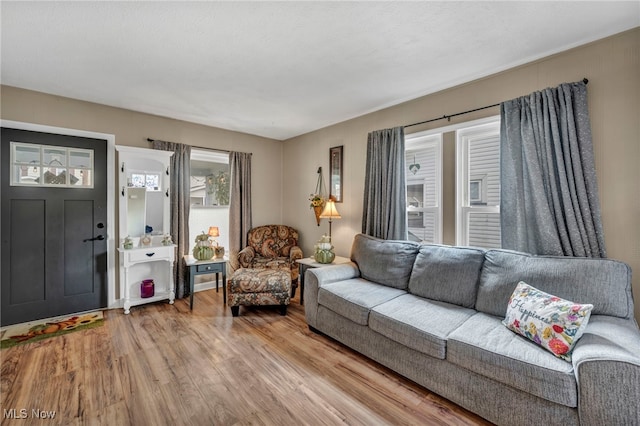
(246, 256)
(294, 254)
(607, 364)
(315, 278)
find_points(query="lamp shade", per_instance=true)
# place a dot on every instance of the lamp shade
(330, 211)
(214, 231)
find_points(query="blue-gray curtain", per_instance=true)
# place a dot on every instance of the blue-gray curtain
(239, 204)
(549, 193)
(384, 213)
(180, 192)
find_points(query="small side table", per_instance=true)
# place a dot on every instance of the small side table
(201, 267)
(310, 262)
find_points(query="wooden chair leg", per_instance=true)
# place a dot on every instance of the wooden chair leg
(283, 309)
(235, 310)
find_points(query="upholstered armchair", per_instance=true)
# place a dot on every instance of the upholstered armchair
(274, 247)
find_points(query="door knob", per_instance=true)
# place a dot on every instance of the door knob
(98, 238)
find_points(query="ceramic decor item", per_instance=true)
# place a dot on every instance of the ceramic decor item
(203, 249)
(128, 243)
(324, 250)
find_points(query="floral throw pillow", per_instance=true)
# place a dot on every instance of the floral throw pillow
(551, 322)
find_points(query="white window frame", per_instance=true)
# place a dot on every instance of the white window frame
(158, 178)
(426, 139)
(64, 163)
(464, 135)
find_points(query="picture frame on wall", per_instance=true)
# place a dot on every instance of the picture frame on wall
(336, 184)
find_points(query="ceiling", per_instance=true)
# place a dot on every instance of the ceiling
(281, 69)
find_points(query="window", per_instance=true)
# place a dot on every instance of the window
(210, 180)
(145, 180)
(52, 166)
(210, 184)
(423, 158)
(475, 194)
(478, 185)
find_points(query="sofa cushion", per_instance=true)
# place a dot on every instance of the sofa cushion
(448, 274)
(604, 283)
(354, 298)
(418, 323)
(385, 262)
(549, 321)
(485, 346)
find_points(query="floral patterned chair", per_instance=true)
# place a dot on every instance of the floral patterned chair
(273, 247)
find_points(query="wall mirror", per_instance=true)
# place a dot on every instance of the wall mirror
(145, 197)
(335, 173)
(144, 190)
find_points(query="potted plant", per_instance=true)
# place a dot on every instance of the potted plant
(317, 204)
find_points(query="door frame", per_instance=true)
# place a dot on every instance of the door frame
(112, 302)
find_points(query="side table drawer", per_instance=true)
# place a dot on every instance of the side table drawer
(216, 267)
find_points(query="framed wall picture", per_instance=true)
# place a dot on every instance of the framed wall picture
(335, 173)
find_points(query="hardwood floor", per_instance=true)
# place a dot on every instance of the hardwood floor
(166, 365)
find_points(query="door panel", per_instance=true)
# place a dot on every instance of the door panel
(78, 252)
(27, 252)
(52, 261)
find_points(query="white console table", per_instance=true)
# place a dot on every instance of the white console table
(137, 264)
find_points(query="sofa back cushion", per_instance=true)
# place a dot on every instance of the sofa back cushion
(386, 262)
(447, 274)
(604, 283)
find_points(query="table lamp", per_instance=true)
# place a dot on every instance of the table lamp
(218, 251)
(330, 213)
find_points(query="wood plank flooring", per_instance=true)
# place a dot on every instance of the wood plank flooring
(166, 365)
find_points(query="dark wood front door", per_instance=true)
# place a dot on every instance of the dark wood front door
(53, 238)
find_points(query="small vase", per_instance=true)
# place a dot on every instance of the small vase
(128, 243)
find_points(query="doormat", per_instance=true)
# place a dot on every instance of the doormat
(34, 331)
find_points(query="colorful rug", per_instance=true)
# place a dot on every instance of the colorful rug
(33, 331)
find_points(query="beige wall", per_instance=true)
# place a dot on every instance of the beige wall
(133, 128)
(284, 174)
(612, 66)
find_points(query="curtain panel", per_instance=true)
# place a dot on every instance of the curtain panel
(179, 191)
(549, 193)
(385, 199)
(240, 221)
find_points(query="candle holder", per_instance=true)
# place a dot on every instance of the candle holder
(147, 288)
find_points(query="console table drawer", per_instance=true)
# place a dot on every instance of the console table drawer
(152, 253)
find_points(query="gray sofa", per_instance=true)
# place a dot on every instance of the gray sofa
(434, 314)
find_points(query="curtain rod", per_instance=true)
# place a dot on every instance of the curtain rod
(448, 117)
(202, 147)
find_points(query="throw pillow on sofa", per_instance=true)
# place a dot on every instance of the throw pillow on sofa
(555, 324)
